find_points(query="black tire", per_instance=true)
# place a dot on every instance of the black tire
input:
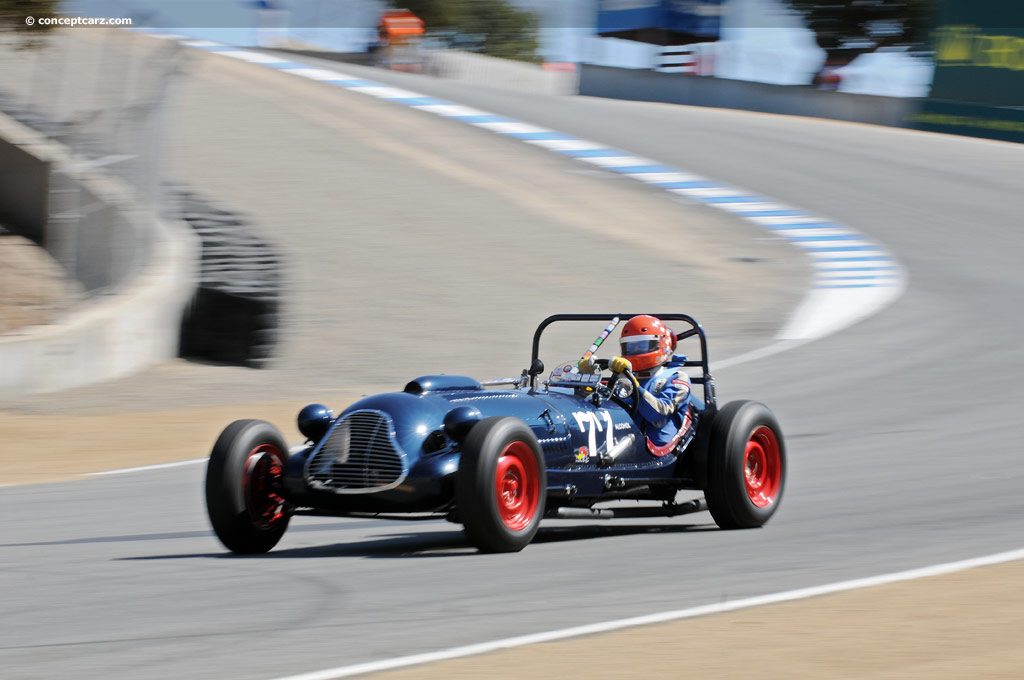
(501, 451)
(746, 466)
(243, 497)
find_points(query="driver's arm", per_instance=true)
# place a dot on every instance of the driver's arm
(664, 399)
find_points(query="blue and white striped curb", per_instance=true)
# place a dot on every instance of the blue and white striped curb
(854, 276)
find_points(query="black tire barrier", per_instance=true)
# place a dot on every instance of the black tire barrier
(234, 317)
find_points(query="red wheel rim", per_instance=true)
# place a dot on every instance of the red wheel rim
(264, 467)
(762, 467)
(517, 486)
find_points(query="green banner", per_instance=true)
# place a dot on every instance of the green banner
(979, 52)
(979, 70)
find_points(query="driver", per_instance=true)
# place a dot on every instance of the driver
(663, 388)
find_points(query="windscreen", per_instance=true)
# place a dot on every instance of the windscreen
(567, 374)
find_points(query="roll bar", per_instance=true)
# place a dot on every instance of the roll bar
(704, 379)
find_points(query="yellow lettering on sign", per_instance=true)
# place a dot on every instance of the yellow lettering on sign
(1015, 58)
(966, 46)
(985, 53)
(954, 44)
(967, 121)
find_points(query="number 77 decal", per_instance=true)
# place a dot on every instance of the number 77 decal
(590, 423)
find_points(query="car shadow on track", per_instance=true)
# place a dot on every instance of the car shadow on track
(578, 532)
(450, 543)
(165, 536)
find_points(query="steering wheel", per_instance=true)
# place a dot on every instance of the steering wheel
(634, 407)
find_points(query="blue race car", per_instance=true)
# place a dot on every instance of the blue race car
(499, 460)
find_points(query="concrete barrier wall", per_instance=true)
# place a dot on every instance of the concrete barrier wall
(98, 236)
(469, 67)
(642, 85)
(481, 69)
(108, 336)
(145, 268)
(84, 219)
(358, 58)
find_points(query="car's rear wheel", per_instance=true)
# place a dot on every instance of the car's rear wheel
(501, 485)
(746, 466)
(243, 487)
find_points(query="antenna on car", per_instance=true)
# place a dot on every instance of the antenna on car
(600, 340)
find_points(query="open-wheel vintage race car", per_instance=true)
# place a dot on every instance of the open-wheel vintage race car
(500, 456)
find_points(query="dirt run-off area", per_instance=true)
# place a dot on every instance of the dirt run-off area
(33, 288)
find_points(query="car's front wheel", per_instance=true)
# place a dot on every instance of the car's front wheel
(243, 487)
(746, 466)
(501, 485)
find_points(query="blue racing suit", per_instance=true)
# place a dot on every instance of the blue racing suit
(664, 412)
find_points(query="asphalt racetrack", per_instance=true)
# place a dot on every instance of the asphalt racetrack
(903, 438)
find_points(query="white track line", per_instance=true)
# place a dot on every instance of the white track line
(661, 617)
(159, 466)
(164, 466)
(776, 347)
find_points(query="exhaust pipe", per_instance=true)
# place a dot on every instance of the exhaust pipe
(670, 510)
(608, 457)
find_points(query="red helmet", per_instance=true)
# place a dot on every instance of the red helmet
(646, 342)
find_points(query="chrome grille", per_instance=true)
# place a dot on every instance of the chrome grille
(359, 455)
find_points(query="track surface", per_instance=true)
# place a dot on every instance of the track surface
(902, 440)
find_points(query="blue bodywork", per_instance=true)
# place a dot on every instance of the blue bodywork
(575, 428)
(563, 420)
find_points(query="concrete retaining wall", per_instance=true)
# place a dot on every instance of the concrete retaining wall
(108, 336)
(84, 219)
(141, 271)
(95, 231)
(469, 67)
(642, 85)
(508, 74)
(358, 58)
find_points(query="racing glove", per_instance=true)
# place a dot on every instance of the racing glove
(620, 364)
(588, 365)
